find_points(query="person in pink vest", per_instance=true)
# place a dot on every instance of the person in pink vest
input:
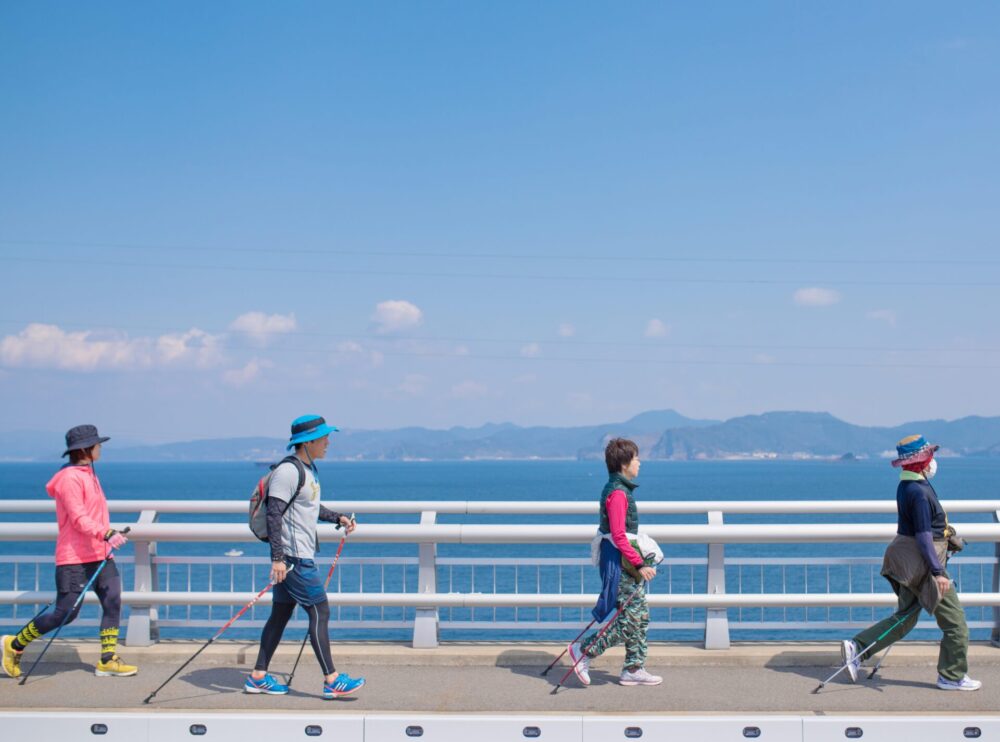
(85, 539)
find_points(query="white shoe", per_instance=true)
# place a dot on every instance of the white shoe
(638, 677)
(966, 683)
(581, 662)
(849, 656)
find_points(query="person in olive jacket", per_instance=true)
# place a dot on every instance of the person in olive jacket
(915, 565)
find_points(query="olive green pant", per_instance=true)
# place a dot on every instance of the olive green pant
(953, 657)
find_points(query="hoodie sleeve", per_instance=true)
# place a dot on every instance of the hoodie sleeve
(926, 545)
(617, 506)
(329, 516)
(920, 513)
(71, 495)
(275, 514)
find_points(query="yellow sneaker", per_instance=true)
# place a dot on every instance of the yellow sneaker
(11, 657)
(115, 668)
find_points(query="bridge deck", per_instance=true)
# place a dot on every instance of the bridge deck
(499, 678)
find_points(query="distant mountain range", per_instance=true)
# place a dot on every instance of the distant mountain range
(661, 434)
(819, 434)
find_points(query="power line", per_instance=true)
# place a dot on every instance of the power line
(534, 256)
(312, 270)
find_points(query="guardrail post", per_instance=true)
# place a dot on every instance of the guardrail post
(142, 627)
(995, 636)
(716, 619)
(425, 623)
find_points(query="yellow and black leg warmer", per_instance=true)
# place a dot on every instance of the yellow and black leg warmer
(26, 635)
(109, 643)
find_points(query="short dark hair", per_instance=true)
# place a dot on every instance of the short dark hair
(619, 453)
(78, 455)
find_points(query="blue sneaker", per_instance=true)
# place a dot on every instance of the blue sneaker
(342, 685)
(266, 684)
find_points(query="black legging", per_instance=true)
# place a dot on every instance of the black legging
(319, 633)
(70, 581)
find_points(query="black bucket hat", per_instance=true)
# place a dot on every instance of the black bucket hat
(81, 437)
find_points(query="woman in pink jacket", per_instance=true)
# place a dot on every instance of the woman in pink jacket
(85, 539)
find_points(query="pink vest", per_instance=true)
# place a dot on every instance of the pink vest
(82, 514)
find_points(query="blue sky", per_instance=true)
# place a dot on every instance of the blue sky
(216, 217)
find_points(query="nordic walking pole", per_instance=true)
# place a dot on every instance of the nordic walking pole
(218, 633)
(880, 661)
(553, 664)
(606, 626)
(885, 633)
(326, 585)
(72, 610)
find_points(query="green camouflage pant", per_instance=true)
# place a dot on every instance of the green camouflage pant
(629, 626)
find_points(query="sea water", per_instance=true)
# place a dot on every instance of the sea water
(527, 481)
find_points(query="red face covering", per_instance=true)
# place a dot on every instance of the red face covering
(919, 466)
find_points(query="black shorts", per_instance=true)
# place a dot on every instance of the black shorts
(73, 578)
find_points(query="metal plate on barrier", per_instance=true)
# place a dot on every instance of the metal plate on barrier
(196, 726)
(911, 728)
(714, 728)
(465, 728)
(71, 726)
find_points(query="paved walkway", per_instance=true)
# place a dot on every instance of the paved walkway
(497, 678)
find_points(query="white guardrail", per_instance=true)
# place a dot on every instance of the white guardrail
(425, 585)
(167, 726)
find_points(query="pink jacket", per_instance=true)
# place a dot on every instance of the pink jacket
(617, 505)
(82, 514)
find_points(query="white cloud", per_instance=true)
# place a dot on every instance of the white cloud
(469, 390)
(413, 385)
(49, 346)
(764, 358)
(957, 44)
(531, 350)
(814, 296)
(350, 350)
(242, 376)
(350, 346)
(195, 345)
(396, 316)
(525, 379)
(656, 328)
(261, 327)
(885, 315)
(566, 330)
(461, 350)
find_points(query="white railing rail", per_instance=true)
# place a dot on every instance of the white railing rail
(509, 600)
(507, 507)
(517, 534)
(146, 533)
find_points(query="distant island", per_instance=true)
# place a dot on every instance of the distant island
(661, 434)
